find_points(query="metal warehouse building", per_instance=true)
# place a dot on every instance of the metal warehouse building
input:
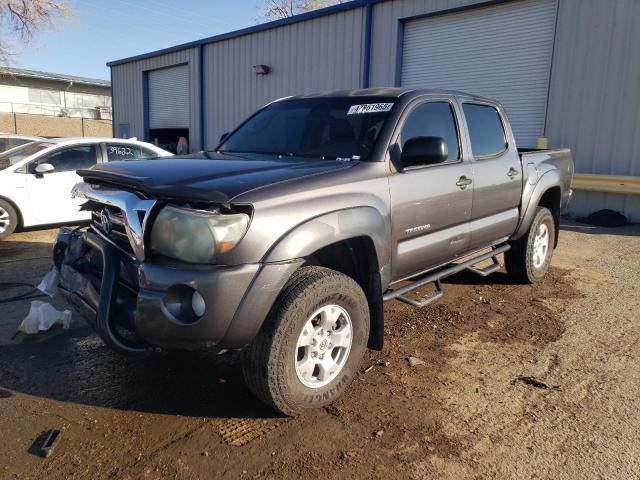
(568, 70)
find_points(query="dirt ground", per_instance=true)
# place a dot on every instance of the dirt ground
(518, 382)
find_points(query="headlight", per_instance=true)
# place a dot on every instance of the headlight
(196, 236)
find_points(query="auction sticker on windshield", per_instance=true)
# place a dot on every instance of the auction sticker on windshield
(369, 108)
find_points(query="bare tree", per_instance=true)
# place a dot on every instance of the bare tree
(21, 19)
(278, 9)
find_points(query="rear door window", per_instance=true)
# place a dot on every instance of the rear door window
(122, 151)
(485, 129)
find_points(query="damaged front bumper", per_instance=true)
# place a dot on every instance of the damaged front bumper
(138, 307)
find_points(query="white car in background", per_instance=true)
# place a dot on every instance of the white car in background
(9, 141)
(36, 178)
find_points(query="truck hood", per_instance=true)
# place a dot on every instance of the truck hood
(206, 176)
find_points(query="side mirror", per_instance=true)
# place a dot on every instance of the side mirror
(224, 136)
(44, 168)
(424, 151)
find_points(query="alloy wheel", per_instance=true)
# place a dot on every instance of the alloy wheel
(323, 346)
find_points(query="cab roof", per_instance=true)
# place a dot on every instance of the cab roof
(389, 92)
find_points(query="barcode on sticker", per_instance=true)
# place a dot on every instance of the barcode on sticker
(369, 108)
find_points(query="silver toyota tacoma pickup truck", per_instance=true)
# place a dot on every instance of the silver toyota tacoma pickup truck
(287, 238)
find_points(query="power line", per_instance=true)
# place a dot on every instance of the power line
(139, 24)
(172, 17)
(214, 20)
(112, 37)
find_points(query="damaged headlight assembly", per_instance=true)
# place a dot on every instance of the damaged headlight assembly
(196, 236)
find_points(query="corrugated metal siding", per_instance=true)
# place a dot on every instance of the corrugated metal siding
(594, 101)
(384, 41)
(168, 92)
(501, 52)
(594, 97)
(320, 54)
(127, 81)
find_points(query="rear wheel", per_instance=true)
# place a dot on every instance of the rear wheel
(311, 345)
(8, 219)
(529, 258)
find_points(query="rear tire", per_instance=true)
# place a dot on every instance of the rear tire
(8, 219)
(311, 344)
(529, 258)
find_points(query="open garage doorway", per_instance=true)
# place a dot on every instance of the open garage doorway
(168, 138)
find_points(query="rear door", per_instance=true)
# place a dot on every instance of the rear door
(497, 174)
(50, 194)
(430, 204)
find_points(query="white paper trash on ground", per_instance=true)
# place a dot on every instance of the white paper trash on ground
(42, 316)
(49, 283)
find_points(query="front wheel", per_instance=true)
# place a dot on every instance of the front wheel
(8, 219)
(529, 258)
(311, 344)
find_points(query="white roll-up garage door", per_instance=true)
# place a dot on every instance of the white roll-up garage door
(169, 98)
(503, 52)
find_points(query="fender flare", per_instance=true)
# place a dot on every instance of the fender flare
(333, 227)
(534, 193)
(285, 257)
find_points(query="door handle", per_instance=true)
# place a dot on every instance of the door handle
(512, 173)
(463, 182)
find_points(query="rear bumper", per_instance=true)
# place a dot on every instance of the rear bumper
(155, 304)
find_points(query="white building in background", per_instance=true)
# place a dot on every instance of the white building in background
(52, 94)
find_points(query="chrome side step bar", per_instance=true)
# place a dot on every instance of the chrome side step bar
(436, 277)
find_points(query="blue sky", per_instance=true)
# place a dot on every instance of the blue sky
(105, 30)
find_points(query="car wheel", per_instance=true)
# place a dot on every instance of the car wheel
(529, 258)
(311, 344)
(8, 219)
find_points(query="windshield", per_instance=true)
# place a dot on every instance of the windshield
(327, 128)
(13, 156)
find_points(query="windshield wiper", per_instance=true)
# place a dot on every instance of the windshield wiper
(280, 154)
(294, 154)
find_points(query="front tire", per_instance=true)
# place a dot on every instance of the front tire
(311, 344)
(8, 219)
(529, 258)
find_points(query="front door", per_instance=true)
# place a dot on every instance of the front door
(50, 193)
(497, 175)
(430, 204)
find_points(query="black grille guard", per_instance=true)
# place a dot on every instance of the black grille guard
(69, 250)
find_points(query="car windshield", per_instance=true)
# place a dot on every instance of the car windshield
(323, 128)
(13, 156)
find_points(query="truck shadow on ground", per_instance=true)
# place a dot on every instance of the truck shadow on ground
(631, 230)
(470, 278)
(76, 367)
